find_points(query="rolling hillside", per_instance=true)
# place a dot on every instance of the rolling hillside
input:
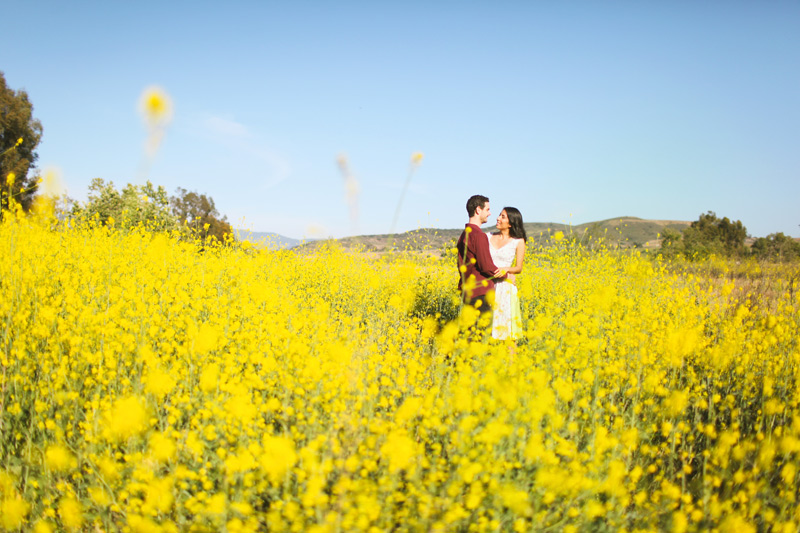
(271, 241)
(622, 231)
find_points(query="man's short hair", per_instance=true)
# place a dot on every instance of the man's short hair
(474, 203)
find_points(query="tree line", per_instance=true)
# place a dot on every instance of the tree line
(712, 235)
(135, 205)
(151, 207)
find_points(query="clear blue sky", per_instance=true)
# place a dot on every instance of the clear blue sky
(569, 111)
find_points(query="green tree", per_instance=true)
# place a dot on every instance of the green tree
(710, 234)
(20, 134)
(198, 213)
(136, 205)
(671, 240)
(707, 235)
(104, 202)
(776, 246)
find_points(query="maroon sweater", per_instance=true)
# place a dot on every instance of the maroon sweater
(473, 253)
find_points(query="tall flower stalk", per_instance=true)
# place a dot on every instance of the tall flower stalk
(416, 160)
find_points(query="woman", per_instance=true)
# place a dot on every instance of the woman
(507, 246)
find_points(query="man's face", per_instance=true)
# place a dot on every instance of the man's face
(483, 213)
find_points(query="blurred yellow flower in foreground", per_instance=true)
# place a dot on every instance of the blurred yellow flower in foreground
(351, 189)
(278, 456)
(59, 459)
(126, 418)
(52, 185)
(159, 383)
(400, 450)
(71, 512)
(155, 105)
(316, 231)
(13, 512)
(162, 448)
(207, 339)
(43, 526)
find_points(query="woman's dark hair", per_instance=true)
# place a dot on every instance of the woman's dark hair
(517, 230)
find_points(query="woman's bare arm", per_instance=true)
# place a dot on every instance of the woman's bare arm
(517, 268)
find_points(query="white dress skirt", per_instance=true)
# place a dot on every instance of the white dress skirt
(506, 316)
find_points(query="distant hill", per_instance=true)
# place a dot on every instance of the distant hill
(629, 231)
(420, 239)
(271, 241)
(622, 231)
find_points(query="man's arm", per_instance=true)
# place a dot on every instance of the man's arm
(483, 258)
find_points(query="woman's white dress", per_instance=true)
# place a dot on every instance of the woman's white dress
(506, 316)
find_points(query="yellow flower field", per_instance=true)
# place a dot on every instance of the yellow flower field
(149, 384)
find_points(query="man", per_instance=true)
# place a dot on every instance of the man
(476, 268)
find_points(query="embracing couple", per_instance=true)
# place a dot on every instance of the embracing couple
(488, 264)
